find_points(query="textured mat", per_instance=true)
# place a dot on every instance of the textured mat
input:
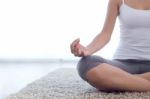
(65, 83)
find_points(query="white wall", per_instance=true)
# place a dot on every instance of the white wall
(45, 28)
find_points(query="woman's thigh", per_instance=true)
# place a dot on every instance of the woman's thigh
(89, 62)
(126, 65)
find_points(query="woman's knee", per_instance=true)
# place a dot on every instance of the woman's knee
(97, 77)
(87, 63)
(100, 77)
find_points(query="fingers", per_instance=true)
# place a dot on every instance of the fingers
(77, 49)
(73, 45)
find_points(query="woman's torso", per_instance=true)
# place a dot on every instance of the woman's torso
(134, 32)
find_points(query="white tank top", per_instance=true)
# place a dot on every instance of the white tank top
(134, 34)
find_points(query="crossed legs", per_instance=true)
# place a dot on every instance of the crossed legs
(110, 78)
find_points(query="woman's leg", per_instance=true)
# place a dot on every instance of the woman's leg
(144, 75)
(110, 78)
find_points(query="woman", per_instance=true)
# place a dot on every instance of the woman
(129, 69)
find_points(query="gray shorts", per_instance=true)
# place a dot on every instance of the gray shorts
(129, 65)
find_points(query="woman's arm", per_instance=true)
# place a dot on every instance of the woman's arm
(103, 37)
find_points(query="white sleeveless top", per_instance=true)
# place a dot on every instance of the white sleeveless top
(134, 34)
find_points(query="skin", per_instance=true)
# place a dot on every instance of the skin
(101, 75)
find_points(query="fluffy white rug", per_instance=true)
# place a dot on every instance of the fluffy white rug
(65, 83)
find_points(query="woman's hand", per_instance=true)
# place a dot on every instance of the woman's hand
(77, 49)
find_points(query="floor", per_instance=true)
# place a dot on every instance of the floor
(15, 76)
